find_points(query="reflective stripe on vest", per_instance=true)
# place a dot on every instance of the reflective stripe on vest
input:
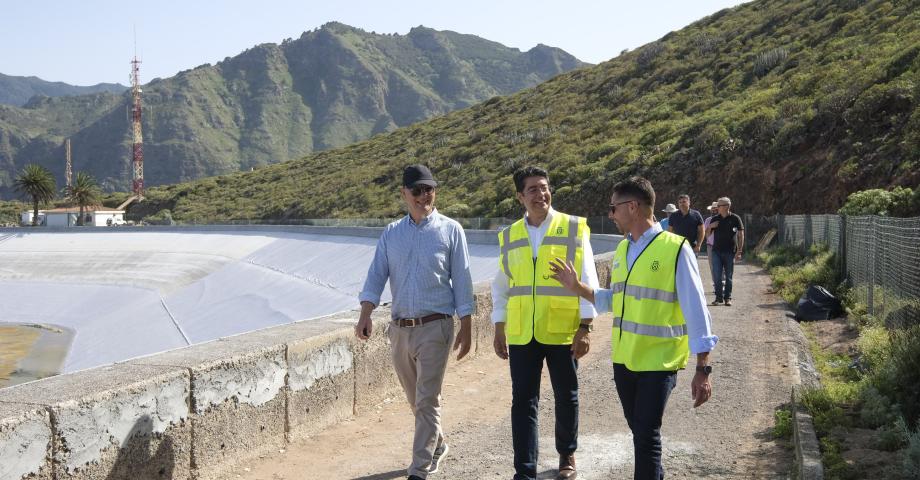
(538, 306)
(649, 331)
(644, 292)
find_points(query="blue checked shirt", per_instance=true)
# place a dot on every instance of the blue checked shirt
(428, 265)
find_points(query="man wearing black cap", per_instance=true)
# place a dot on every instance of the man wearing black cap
(425, 257)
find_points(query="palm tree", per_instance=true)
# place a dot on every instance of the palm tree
(37, 182)
(84, 192)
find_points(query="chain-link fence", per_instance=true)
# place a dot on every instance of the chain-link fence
(879, 256)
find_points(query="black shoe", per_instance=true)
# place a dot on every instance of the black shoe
(415, 477)
(716, 302)
(439, 454)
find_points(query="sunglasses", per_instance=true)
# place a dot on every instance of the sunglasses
(613, 206)
(418, 190)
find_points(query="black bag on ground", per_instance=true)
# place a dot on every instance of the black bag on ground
(817, 304)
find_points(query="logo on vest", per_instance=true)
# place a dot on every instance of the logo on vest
(558, 230)
(655, 266)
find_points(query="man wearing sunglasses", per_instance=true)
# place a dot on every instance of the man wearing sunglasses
(426, 259)
(660, 318)
(536, 319)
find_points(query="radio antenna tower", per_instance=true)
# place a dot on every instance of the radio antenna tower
(137, 159)
(68, 166)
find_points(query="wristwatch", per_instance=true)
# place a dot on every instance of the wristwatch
(586, 326)
(705, 369)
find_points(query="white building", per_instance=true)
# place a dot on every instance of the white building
(26, 218)
(67, 217)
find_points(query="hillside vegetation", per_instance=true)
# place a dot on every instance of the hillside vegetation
(331, 87)
(784, 105)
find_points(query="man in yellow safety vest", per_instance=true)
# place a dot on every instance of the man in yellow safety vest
(538, 319)
(659, 318)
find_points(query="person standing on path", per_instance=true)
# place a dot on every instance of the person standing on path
(660, 318)
(712, 213)
(728, 243)
(537, 319)
(687, 223)
(426, 259)
(668, 210)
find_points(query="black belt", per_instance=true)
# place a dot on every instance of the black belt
(415, 322)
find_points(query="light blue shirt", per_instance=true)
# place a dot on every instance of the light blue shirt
(689, 291)
(428, 265)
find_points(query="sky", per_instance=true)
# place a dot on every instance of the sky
(93, 41)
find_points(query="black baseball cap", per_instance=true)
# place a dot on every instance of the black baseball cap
(418, 175)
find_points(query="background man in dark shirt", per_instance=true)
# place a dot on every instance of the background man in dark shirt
(687, 223)
(727, 247)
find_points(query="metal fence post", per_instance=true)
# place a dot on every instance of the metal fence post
(870, 300)
(842, 248)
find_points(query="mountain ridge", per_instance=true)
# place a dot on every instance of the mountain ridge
(272, 102)
(18, 90)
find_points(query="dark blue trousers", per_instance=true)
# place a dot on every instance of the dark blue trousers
(526, 363)
(644, 396)
(723, 265)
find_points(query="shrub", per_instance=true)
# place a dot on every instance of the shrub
(456, 210)
(649, 53)
(782, 423)
(898, 202)
(876, 409)
(163, 217)
(893, 437)
(910, 467)
(824, 410)
(874, 347)
(781, 255)
(905, 365)
(835, 467)
(877, 107)
(712, 137)
(766, 61)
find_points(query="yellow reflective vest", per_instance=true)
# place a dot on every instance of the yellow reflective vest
(649, 330)
(539, 306)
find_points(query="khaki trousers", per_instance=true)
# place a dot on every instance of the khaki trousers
(420, 359)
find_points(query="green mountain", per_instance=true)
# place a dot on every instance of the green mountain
(331, 87)
(783, 105)
(18, 90)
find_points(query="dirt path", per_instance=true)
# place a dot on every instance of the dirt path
(729, 437)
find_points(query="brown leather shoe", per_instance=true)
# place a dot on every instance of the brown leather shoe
(567, 467)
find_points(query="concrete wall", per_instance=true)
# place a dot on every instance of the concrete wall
(198, 411)
(61, 219)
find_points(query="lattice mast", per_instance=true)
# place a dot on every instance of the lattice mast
(68, 166)
(137, 159)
